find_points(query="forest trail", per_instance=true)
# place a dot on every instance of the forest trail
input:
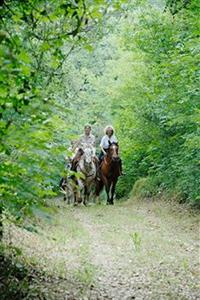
(132, 250)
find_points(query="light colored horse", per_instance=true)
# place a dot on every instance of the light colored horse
(67, 187)
(67, 183)
(87, 170)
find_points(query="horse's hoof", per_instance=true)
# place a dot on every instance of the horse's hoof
(109, 203)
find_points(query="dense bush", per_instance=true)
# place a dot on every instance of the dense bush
(158, 126)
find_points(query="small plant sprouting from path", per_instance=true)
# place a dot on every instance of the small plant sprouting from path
(86, 274)
(136, 239)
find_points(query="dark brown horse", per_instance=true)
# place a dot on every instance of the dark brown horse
(110, 170)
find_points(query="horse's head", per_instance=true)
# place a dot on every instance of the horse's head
(88, 156)
(113, 151)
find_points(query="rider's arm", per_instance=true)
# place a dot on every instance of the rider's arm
(93, 144)
(104, 152)
(93, 141)
(102, 145)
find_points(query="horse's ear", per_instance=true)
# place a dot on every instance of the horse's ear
(109, 142)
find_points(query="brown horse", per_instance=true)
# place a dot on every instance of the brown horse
(110, 170)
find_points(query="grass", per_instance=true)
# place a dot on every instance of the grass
(86, 274)
(151, 243)
(136, 239)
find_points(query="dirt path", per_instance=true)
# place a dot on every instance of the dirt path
(138, 250)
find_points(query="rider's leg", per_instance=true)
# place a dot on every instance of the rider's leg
(100, 159)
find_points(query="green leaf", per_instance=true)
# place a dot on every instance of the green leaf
(23, 56)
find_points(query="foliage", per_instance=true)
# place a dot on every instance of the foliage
(158, 126)
(65, 63)
(37, 39)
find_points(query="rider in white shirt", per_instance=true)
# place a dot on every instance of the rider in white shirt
(105, 142)
(109, 137)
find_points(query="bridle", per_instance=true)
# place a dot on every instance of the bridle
(108, 155)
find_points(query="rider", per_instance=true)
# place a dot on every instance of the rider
(109, 137)
(87, 139)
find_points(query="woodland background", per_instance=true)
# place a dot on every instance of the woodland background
(133, 64)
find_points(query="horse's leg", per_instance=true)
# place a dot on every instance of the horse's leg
(78, 193)
(75, 195)
(62, 186)
(64, 197)
(81, 191)
(89, 190)
(108, 192)
(107, 188)
(113, 192)
(98, 187)
(85, 195)
(65, 192)
(88, 196)
(68, 197)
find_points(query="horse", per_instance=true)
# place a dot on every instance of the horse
(66, 184)
(87, 169)
(110, 170)
(66, 188)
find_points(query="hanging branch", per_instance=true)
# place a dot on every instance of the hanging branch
(59, 66)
